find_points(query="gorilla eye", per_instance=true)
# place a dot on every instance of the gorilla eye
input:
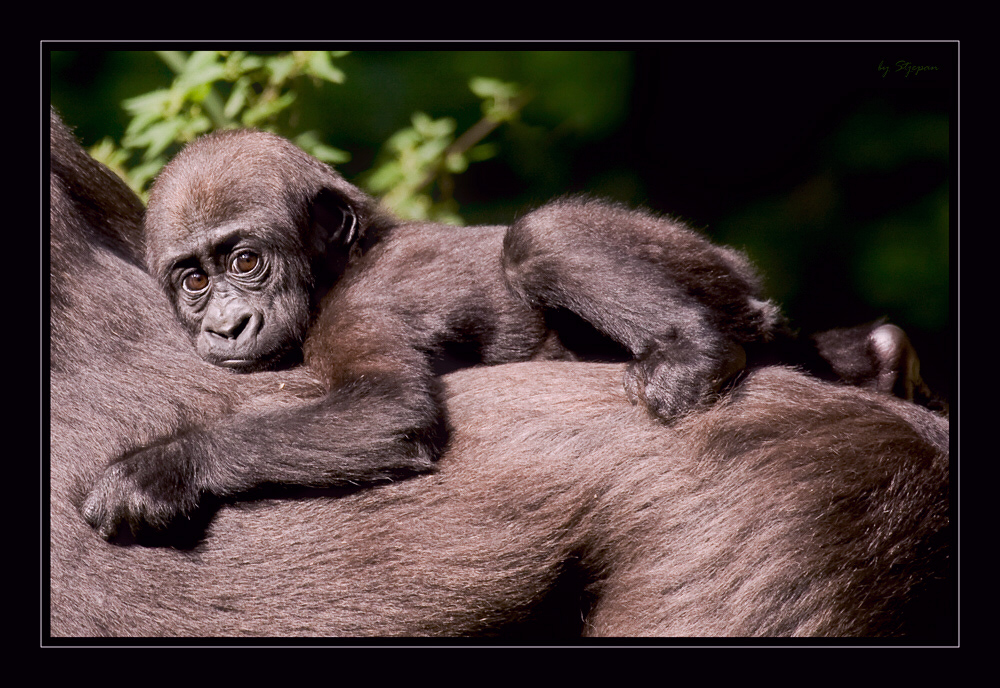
(195, 282)
(245, 261)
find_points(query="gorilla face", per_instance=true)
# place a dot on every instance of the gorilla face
(240, 299)
(240, 229)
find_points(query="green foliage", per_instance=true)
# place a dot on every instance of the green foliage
(410, 157)
(221, 90)
(501, 101)
(416, 157)
(215, 90)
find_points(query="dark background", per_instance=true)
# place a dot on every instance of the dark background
(834, 176)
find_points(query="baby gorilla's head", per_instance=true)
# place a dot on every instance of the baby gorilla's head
(241, 228)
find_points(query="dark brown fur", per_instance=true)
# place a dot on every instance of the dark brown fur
(793, 507)
(389, 300)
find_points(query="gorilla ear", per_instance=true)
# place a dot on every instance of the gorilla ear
(334, 222)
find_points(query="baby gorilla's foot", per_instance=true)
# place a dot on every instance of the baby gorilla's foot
(670, 385)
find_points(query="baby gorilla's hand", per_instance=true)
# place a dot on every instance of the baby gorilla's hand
(146, 490)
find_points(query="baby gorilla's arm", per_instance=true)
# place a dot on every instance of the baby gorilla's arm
(372, 429)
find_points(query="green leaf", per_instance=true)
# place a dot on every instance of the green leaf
(140, 175)
(200, 59)
(384, 177)
(154, 102)
(498, 97)
(321, 66)
(238, 63)
(483, 151)
(310, 142)
(485, 87)
(429, 151)
(201, 70)
(331, 155)
(238, 97)
(280, 67)
(413, 208)
(432, 128)
(195, 127)
(105, 151)
(197, 94)
(266, 109)
(139, 124)
(403, 139)
(158, 136)
(456, 163)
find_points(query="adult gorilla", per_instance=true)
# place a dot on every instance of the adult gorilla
(792, 507)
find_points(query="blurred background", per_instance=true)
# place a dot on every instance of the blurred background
(828, 163)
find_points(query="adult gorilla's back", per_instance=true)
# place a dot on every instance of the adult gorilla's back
(791, 508)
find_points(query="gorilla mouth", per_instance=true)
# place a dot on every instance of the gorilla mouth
(242, 364)
(251, 364)
(238, 363)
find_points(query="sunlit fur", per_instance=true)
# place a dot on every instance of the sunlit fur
(794, 507)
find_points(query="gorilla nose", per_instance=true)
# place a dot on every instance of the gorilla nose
(230, 325)
(231, 329)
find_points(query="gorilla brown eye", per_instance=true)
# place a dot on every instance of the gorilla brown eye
(195, 282)
(245, 261)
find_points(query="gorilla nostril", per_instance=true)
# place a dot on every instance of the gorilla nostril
(239, 327)
(230, 326)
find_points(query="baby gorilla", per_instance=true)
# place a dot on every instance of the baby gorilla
(271, 257)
